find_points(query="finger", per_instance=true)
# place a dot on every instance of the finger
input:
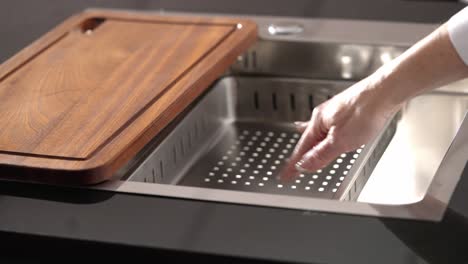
(301, 126)
(321, 155)
(311, 136)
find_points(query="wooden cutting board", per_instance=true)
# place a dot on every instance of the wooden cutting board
(80, 102)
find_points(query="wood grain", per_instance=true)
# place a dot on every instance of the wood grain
(77, 106)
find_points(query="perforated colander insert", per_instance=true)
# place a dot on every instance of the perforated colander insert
(250, 157)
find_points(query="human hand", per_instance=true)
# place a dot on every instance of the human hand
(341, 124)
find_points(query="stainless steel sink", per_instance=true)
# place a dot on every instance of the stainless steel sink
(229, 146)
(239, 135)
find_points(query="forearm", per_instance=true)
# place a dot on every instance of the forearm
(431, 63)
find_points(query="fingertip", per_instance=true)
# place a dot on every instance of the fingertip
(308, 163)
(287, 173)
(300, 126)
(299, 166)
(285, 178)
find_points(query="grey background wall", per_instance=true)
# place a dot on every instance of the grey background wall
(22, 21)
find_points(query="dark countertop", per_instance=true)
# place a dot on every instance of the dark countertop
(43, 221)
(23, 21)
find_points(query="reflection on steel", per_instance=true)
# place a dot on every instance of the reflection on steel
(285, 29)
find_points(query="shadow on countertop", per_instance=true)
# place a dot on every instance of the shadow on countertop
(63, 194)
(443, 242)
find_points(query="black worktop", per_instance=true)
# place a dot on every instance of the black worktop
(42, 221)
(22, 21)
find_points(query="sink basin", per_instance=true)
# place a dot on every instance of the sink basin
(239, 135)
(230, 144)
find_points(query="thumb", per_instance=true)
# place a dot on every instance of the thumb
(320, 155)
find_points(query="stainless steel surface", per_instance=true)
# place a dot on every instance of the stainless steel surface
(285, 29)
(240, 134)
(425, 138)
(420, 167)
(315, 60)
(341, 31)
(427, 127)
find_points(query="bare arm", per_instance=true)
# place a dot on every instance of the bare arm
(430, 63)
(356, 115)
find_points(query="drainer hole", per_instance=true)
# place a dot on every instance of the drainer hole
(273, 100)
(292, 102)
(311, 102)
(256, 104)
